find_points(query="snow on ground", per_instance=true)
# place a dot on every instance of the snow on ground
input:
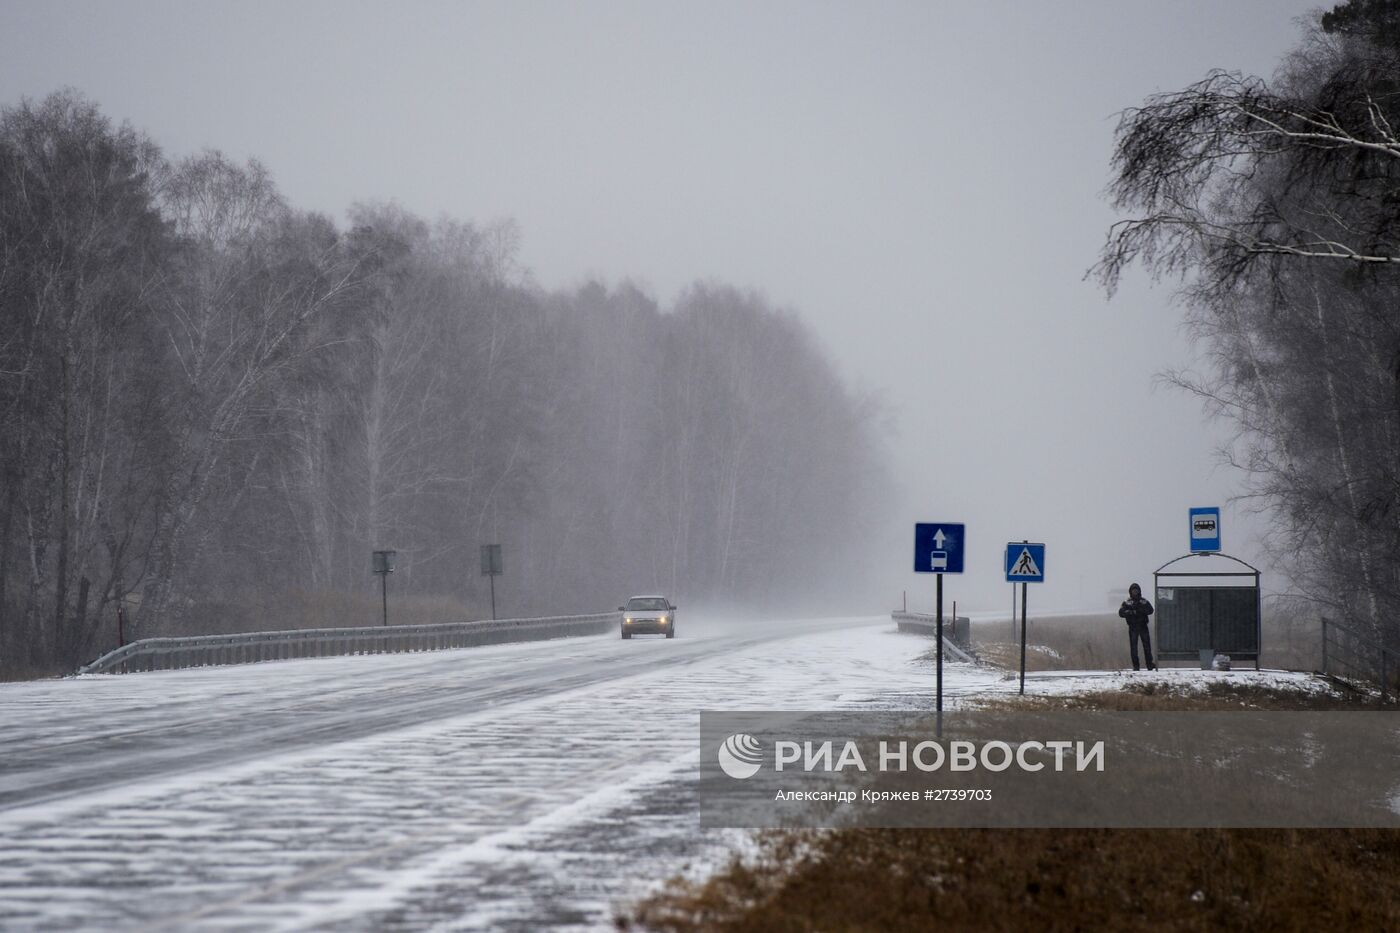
(514, 787)
(969, 686)
(1176, 679)
(552, 794)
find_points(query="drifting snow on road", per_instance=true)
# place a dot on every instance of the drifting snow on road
(511, 786)
(507, 787)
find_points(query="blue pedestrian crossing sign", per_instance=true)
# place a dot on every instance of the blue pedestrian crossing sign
(1025, 562)
(1205, 529)
(938, 547)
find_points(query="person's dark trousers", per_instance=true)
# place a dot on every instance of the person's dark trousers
(1136, 631)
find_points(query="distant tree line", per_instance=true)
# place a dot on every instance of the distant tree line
(1278, 203)
(214, 406)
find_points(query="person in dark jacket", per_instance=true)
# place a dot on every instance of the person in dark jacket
(1135, 611)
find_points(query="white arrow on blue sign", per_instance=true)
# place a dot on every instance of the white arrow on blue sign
(938, 547)
(1025, 562)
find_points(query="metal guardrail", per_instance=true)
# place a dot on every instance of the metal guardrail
(924, 624)
(159, 654)
(1345, 648)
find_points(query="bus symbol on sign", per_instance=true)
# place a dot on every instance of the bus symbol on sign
(1205, 530)
(939, 547)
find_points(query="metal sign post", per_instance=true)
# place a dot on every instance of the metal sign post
(491, 566)
(384, 565)
(1025, 563)
(940, 655)
(1023, 639)
(938, 549)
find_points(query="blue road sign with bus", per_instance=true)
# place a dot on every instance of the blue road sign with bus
(938, 547)
(1205, 529)
(1025, 563)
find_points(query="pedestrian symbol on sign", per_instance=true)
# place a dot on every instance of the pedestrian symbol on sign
(1025, 562)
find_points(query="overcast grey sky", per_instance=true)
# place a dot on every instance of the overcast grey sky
(919, 181)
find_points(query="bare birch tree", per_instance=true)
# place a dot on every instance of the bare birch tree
(82, 250)
(1277, 203)
(246, 314)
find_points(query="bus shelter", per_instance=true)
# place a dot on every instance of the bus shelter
(1208, 606)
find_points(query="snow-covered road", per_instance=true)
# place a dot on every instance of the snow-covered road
(513, 786)
(527, 786)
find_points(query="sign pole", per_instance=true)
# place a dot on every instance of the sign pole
(1023, 638)
(384, 565)
(491, 565)
(940, 655)
(1025, 564)
(938, 549)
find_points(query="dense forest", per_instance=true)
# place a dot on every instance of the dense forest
(215, 406)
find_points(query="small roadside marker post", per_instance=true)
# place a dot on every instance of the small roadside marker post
(492, 567)
(1025, 563)
(384, 565)
(938, 549)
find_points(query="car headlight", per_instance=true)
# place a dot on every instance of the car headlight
(663, 620)
(628, 619)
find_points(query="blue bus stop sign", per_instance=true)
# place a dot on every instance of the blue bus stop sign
(1205, 529)
(1025, 563)
(938, 547)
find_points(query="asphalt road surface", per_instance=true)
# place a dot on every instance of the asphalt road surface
(506, 787)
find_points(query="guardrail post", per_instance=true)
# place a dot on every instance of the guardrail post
(1385, 675)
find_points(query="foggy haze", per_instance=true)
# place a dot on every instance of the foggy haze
(920, 183)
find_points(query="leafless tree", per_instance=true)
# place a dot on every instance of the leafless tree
(1276, 203)
(222, 404)
(82, 251)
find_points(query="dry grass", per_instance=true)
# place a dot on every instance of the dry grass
(304, 609)
(1100, 642)
(258, 611)
(1072, 643)
(1216, 697)
(12, 670)
(999, 879)
(895, 880)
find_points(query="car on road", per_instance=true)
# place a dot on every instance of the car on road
(648, 615)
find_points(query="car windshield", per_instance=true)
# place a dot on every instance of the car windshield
(649, 602)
